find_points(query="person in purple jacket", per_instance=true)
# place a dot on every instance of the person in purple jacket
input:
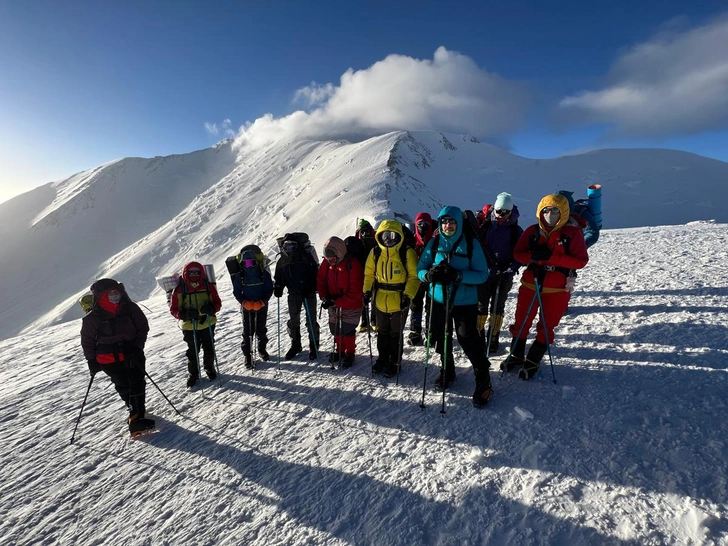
(500, 232)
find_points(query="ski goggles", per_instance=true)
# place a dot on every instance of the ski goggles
(250, 262)
(448, 220)
(502, 212)
(551, 210)
(289, 246)
(390, 238)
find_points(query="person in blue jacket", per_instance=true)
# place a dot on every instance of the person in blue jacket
(454, 264)
(253, 288)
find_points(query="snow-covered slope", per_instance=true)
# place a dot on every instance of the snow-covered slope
(135, 219)
(630, 446)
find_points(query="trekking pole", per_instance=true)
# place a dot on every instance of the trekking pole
(492, 320)
(311, 331)
(545, 330)
(444, 345)
(197, 355)
(341, 334)
(73, 436)
(369, 336)
(333, 335)
(427, 351)
(278, 325)
(513, 341)
(399, 353)
(214, 351)
(161, 392)
(251, 335)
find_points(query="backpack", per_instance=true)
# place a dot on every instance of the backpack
(304, 243)
(355, 248)
(408, 237)
(489, 257)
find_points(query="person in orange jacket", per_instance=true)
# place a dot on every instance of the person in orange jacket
(552, 250)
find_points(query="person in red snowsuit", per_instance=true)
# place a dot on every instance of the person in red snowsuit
(552, 250)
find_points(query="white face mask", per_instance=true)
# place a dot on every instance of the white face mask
(115, 296)
(551, 218)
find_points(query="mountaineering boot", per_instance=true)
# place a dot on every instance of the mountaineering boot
(209, 365)
(447, 374)
(312, 354)
(483, 388)
(348, 361)
(263, 354)
(296, 348)
(140, 425)
(415, 338)
(249, 362)
(516, 358)
(191, 373)
(334, 357)
(533, 360)
(496, 328)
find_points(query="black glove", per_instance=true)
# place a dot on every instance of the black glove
(452, 275)
(189, 314)
(404, 301)
(541, 253)
(328, 302)
(93, 367)
(134, 358)
(278, 291)
(367, 297)
(208, 309)
(436, 274)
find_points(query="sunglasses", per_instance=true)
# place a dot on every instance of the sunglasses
(551, 210)
(448, 220)
(503, 212)
(194, 272)
(250, 263)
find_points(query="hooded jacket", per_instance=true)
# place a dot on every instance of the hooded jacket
(111, 330)
(189, 295)
(565, 240)
(387, 277)
(343, 280)
(421, 241)
(454, 249)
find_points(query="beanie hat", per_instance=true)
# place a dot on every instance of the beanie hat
(503, 201)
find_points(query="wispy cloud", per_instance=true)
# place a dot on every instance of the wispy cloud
(448, 93)
(223, 129)
(676, 83)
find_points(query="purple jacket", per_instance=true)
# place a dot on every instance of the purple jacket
(501, 239)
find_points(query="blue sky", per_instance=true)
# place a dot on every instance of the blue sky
(87, 82)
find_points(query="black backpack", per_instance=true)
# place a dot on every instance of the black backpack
(355, 248)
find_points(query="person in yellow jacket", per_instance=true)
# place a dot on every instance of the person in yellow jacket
(390, 280)
(195, 302)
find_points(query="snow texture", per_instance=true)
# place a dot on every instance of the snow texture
(629, 446)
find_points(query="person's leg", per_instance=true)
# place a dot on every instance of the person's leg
(295, 303)
(192, 355)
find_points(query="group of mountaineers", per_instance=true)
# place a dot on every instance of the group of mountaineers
(448, 274)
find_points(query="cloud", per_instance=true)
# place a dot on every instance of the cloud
(676, 83)
(448, 93)
(224, 128)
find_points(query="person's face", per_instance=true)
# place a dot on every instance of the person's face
(448, 225)
(551, 215)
